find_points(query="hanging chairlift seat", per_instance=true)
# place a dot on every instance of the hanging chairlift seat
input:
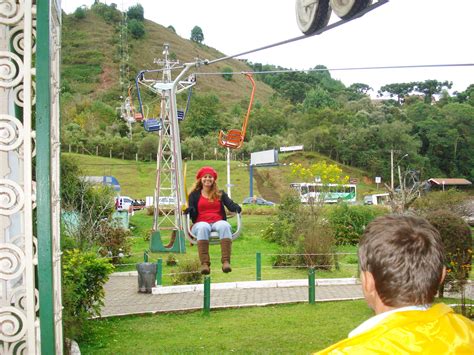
(234, 139)
(214, 237)
(138, 117)
(152, 125)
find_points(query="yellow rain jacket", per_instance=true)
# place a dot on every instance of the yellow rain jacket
(437, 330)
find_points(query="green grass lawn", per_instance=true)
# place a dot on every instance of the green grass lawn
(137, 178)
(244, 251)
(283, 329)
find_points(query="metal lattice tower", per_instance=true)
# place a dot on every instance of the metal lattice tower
(169, 167)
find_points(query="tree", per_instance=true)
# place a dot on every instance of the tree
(171, 28)
(322, 171)
(432, 87)
(318, 98)
(400, 90)
(80, 13)
(204, 117)
(136, 28)
(197, 35)
(136, 12)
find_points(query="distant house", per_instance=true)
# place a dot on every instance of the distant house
(442, 183)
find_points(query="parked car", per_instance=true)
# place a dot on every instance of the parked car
(259, 201)
(167, 200)
(123, 203)
(138, 204)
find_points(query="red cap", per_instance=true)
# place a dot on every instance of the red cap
(206, 170)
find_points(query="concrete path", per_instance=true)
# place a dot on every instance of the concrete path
(122, 297)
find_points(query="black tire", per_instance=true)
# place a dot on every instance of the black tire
(358, 6)
(316, 21)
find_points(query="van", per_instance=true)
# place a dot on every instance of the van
(376, 199)
(123, 203)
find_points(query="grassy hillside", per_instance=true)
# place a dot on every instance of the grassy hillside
(137, 179)
(91, 59)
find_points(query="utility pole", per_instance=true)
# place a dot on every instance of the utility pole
(229, 192)
(391, 169)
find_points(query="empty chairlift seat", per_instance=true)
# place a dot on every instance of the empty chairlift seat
(152, 125)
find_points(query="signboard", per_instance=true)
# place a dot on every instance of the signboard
(265, 157)
(293, 148)
(378, 179)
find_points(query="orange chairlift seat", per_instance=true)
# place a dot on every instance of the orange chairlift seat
(136, 115)
(235, 137)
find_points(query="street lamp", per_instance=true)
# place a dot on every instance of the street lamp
(391, 167)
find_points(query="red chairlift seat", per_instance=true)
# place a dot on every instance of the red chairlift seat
(234, 139)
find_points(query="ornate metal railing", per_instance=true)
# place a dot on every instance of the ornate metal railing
(24, 250)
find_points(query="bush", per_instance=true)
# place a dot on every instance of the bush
(188, 273)
(227, 73)
(301, 230)
(83, 278)
(80, 13)
(450, 200)
(349, 222)
(115, 242)
(282, 229)
(456, 236)
(171, 260)
(137, 28)
(316, 242)
(286, 257)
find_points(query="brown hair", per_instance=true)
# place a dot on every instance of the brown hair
(405, 255)
(214, 194)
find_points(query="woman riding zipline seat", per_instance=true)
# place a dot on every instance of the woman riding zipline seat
(206, 209)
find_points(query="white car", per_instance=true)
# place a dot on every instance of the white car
(123, 203)
(167, 200)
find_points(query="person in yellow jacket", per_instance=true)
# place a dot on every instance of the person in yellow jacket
(402, 265)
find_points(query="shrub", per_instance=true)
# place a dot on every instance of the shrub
(286, 257)
(456, 236)
(188, 273)
(171, 260)
(83, 278)
(316, 242)
(301, 230)
(137, 28)
(227, 73)
(282, 229)
(349, 222)
(80, 13)
(114, 241)
(450, 200)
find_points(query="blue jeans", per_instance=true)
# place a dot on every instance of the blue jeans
(202, 230)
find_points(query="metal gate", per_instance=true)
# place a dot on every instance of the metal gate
(30, 308)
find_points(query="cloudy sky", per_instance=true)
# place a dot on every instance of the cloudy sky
(401, 32)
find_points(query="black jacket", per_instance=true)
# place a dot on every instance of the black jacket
(225, 201)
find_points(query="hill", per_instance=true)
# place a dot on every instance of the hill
(137, 179)
(92, 50)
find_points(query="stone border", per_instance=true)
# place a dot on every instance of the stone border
(161, 290)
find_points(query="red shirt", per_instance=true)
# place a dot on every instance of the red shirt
(208, 211)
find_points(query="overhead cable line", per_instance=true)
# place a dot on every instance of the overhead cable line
(294, 39)
(345, 69)
(324, 29)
